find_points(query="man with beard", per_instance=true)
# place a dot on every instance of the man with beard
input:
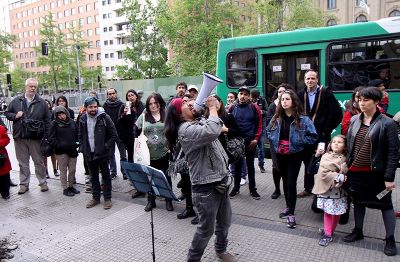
(112, 107)
(97, 135)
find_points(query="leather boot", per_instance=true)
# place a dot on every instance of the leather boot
(357, 234)
(151, 203)
(168, 205)
(188, 212)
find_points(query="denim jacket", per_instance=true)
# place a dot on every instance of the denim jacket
(298, 137)
(204, 153)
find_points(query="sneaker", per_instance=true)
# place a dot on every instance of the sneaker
(44, 188)
(243, 181)
(233, 193)
(195, 220)
(325, 240)
(390, 246)
(74, 190)
(291, 221)
(262, 169)
(357, 234)
(304, 194)
(276, 194)
(107, 204)
(226, 257)
(23, 189)
(56, 173)
(92, 203)
(284, 213)
(254, 194)
(68, 192)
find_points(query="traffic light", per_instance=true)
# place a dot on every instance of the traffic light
(9, 82)
(99, 81)
(77, 80)
(45, 49)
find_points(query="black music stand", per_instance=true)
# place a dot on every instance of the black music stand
(147, 179)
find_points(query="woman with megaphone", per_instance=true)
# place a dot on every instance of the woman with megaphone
(209, 174)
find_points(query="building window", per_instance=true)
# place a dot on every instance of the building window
(394, 13)
(80, 9)
(32, 64)
(91, 57)
(89, 19)
(98, 56)
(119, 53)
(111, 42)
(106, 42)
(107, 69)
(106, 56)
(88, 8)
(103, 2)
(331, 4)
(331, 22)
(104, 16)
(90, 43)
(361, 18)
(89, 32)
(110, 29)
(97, 43)
(97, 30)
(105, 29)
(111, 55)
(112, 68)
(358, 2)
(80, 21)
(73, 11)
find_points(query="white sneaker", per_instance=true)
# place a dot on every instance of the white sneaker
(243, 181)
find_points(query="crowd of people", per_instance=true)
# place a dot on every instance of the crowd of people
(356, 166)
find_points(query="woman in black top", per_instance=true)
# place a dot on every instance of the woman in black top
(373, 154)
(62, 101)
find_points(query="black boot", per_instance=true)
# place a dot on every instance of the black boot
(276, 194)
(357, 234)
(188, 212)
(390, 246)
(151, 203)
(74, 190)
(168, 205)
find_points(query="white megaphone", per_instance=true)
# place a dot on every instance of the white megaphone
(209, 83)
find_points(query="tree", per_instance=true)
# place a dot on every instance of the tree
(286, 15)
(6, 42)
(18, 77)
(147, 52)
(193, 28)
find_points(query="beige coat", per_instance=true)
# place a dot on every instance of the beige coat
(330, 166)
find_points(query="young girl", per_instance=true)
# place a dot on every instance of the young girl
(328, 181)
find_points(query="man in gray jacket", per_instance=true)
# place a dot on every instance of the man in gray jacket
(208, 165)
(30, 116)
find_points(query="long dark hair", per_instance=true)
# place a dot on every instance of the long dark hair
(135, 93)
(284, 85)
(158, 98)
(350, 107)
(62, 98)
(172, 121)
(297, 109)
(221, 110)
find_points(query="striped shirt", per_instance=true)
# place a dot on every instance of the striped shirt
(361, 151)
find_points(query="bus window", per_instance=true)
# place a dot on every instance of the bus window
(241, 69)
(355, 64)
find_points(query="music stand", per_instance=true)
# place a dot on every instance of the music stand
(147, 179)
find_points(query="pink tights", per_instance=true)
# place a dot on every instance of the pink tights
(330, 223)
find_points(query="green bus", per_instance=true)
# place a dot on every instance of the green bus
(346, 56)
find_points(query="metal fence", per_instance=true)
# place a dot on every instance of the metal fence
(7, 122)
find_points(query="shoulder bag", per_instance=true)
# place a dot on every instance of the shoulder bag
(141, 153)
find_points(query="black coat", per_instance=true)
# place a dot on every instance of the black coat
(64, 137)
(37, 110)
(328, 116)
(105, 135)
(127, 130)
(384, 144)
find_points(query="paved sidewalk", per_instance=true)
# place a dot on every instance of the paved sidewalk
(51, 227)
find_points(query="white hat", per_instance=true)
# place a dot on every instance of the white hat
(191, 87)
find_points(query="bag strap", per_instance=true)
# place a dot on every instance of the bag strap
(318, 102)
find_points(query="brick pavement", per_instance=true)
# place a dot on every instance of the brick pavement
(52, 227)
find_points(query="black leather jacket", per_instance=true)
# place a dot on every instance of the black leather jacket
(384, 144)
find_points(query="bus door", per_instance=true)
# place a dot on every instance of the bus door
(287, 68)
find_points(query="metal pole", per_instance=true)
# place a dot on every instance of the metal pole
(79, 73)
(69, 77)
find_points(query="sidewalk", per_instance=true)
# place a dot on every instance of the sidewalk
(51, 227)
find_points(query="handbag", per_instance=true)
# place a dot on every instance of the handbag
(45, 148)
(283, 147)
(235, 148)
(179, 165)
(314, 165)
(32, 129)
(141, 153)
(3, 158)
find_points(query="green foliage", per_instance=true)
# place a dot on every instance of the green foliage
(286, 15)
(147, 52)
(193, 28)
(6, 42)
(18, 77)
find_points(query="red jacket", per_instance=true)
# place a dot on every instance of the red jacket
(4, 141)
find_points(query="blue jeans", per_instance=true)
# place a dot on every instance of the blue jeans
(260, 146)
(214, 209)
(244, 168)
(111, 158)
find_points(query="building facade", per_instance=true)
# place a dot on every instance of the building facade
(354, 11)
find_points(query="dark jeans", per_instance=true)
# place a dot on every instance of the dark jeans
(289, 167)
(111, 158)
(94, 167)
(308, 152)
(5, 185)
(214, 210)
(129, 149)
(187, 190)
(250, 169)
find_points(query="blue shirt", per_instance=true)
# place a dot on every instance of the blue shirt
(311, 96)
